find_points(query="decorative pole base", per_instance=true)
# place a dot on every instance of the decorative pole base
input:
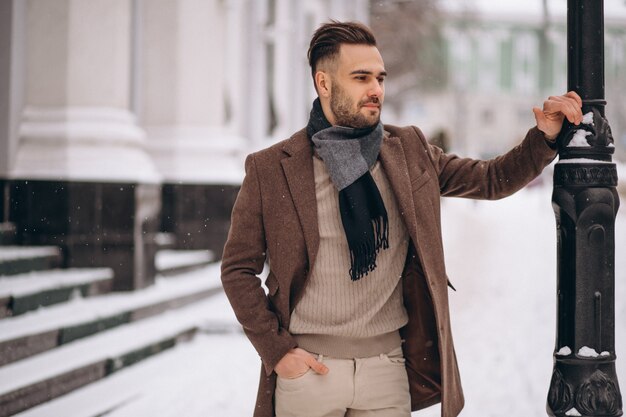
(584, 387)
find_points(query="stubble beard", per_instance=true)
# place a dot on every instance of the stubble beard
(342, 107)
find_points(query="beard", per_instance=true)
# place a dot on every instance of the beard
(345, 112)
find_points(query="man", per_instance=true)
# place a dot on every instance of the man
(355, 321)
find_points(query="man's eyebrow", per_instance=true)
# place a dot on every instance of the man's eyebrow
(366, 72)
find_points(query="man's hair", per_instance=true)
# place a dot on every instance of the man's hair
(328, 38)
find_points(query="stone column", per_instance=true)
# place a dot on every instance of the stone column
(6, 35)
(292, 82)
(11, 82)
(256, 109)
(188, 114)
(82, 178)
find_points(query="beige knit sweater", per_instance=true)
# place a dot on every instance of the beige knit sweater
(339, 317)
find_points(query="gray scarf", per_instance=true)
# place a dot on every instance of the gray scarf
(348, 154)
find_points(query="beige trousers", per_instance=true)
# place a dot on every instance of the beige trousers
(368, 387)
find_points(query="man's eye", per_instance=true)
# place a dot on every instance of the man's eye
(381, 80)
(361, 77)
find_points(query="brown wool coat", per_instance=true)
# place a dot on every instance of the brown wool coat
(275, 219)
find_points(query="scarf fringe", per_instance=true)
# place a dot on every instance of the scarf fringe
(363, 254)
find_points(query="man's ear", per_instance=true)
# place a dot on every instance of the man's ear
(323, 83)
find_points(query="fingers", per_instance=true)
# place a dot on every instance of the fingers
(555, 109)
(568, 105)
(575, 96)
(296, 360)
(539, 114)
(318, 367)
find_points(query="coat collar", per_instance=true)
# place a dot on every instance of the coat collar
(297, 143)
(298, 169)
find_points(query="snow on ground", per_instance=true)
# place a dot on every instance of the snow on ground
(166, 259)
(37, 281)
(215, 375)
(80, 310)
(501, 259)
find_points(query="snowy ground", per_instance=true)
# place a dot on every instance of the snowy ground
(501, 259)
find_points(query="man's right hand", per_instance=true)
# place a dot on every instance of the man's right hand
(555, 109)
(296, 363)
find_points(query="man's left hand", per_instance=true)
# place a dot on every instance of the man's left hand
(555, 110)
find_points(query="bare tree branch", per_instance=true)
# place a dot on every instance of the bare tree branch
(409, 38)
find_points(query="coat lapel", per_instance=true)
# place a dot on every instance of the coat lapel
(395, 165)
(298, 169)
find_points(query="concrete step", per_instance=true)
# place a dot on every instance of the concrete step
(203, 378)
(16, 260)
(29, 382)
(173, 262)
(26, 292)
(49, 327)
(7, 234)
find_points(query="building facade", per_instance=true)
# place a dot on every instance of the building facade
(124, 123)
(501, 59)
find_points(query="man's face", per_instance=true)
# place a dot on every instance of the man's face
(357, 90)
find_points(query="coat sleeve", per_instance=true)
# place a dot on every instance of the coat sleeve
(492, 179)
(242, 261)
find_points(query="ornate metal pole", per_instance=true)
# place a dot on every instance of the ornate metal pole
(585, 201)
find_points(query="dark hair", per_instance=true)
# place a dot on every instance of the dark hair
(328, 38)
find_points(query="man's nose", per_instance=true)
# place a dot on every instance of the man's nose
(376, 90)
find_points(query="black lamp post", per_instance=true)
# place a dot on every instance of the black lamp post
(585, 201)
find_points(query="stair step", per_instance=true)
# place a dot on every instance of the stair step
(7, 233)
(170, 262)
(22, 259)
(35, 380)
(26, 292)
(190, 364)
(48, 327)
